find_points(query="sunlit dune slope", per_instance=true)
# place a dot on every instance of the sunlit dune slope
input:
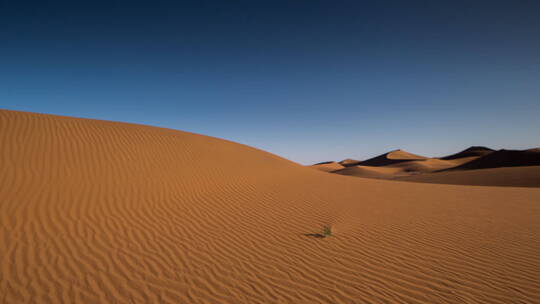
(328, 166)
(390, 158)
(104, 212)
(397, 168)
(349, 162)
(370, 172)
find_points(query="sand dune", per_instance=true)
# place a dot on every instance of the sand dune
(474, 151)
(395, 169)
(349, 162)
(328, 166)
(429, 164)
(399, 169)
(103, 212)
(509, 177)
(390, 158)
(404, 166)
(371, 172)
(503, 158)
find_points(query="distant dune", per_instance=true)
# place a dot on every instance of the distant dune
(392, 157)
(370, 172)
(474, 151)
(349, 162)
(510, 176)
(405, 166)
(328, 166)
(105, 212)
(503, 158)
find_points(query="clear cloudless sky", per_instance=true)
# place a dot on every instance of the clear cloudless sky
(309, 80)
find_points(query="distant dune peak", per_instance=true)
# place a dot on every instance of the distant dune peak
(349, 162)
(328, 166)
(402, 154)
(469, 152)
(478, 148)
(392, 157)
(383, 159)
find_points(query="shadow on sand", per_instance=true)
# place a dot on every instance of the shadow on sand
(315, 235)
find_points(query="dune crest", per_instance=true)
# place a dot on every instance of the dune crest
(474, 151)
(390, 158)
(105, 212)
(328, 166)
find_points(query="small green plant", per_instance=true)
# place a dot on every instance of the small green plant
(327, 231)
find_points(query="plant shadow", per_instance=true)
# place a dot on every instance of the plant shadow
(315, 235)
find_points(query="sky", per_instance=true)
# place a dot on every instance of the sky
(310, 81)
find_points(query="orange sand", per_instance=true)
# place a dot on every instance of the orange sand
(328, 166)
(104, 212)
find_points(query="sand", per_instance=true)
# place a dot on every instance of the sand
(474, 151)
(328, 166)
(479, 166)
(391, 158)
(509, 177)
(503, 158)
(104, 212)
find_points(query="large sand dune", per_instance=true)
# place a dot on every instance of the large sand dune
(104, 212)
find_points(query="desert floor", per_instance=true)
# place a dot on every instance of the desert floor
(105, 212)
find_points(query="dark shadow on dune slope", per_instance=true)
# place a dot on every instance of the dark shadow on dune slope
(390, 159)
(502, 158)
(324, 163)
(469, 152)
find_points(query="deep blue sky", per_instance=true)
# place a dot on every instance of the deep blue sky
(305, 79)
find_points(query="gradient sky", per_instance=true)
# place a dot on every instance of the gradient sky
(308, 80)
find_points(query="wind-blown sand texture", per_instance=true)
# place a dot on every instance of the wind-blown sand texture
(105, 212)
